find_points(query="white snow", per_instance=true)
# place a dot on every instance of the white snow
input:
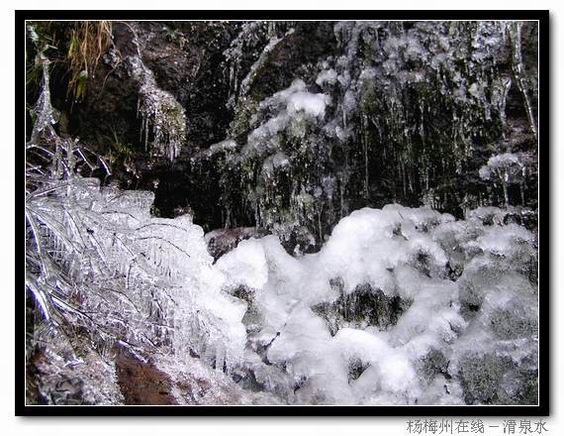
(381, 248)
(326, 77)
(312, 104)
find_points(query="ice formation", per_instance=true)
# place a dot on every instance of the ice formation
(400, 306)
(163, 119)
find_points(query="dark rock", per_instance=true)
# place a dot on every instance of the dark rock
(221, 241)
(355, 369)
(141, 382)
(435, 363)
(365, 306)
(496, 379)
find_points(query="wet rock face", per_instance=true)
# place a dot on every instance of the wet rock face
(363, 307)
(355, 369)
(496, 379)
(141, 382)
(157, 380)
(222, 241)
(297, 240)
(435, 363)
(252, 319)
(513, 324)
(296, 54)
(185, 59)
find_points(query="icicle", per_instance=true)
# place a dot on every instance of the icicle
(519, 71)
(365, 141)
(159, 111)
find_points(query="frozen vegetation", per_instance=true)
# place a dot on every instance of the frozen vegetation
(400, 306)
(320, 287)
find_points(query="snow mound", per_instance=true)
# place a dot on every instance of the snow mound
(390, 308)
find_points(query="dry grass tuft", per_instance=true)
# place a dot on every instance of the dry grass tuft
(89, 41)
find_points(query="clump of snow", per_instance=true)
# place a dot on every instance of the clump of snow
(326, 77)
(505, 165)
(246, 265)
(284, 109)
(312, 104)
